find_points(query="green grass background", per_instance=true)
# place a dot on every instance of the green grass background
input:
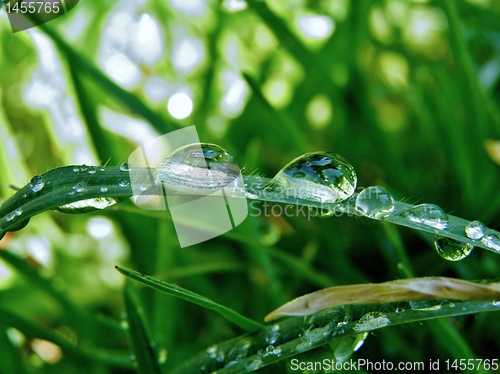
(413, 113)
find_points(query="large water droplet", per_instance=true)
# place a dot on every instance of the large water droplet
(37, 183)
(475, 230)
(88, 205)
(125, 166)
(491, 241)
(428, 214)
(452, 250)
(375, 202)
(371, 321)
(318, 176)
(199, 166)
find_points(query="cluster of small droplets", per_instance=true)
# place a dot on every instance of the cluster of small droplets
(476, 230)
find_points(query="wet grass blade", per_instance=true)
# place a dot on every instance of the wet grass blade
(140, 341)
(174, 290)
(297, 335)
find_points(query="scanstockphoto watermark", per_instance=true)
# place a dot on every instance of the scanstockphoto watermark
(25, 14)
(265, 209)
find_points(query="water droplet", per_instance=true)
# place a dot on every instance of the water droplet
(162, 355)
(124, 183)
(375, 202)
(491, 241)
(80, 187)
(274, 335)
(220, 357)
(425, 305)
(399, 310)
(125, 166)
(132, 358)
(104, 189)
(76, 169)
(475, 230)
(92, 169)
(10, 216)
(212, 351)
(371, 321)
(359, 340)
(270, 348)
(240, 350)
(452, 250)
(254, 364)
(88, 205)
(83, 167)
(37, 183)
(428, 214)
(18, 212)
(317, 176)
(199, 166)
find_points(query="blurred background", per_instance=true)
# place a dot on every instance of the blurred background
(406, 90)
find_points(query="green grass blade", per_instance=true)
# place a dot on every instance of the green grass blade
(61, 182)
(141, 343)
(174, 290)
(297, 335)
(289, 126)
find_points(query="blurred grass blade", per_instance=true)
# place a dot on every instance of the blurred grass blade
(129, 100)
(141, 343)
(11, 358)
(174, 290)
(290, 127)
(78, 318)
(32, 330)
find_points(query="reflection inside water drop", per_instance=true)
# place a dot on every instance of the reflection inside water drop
(452, 250)
(88, 205)
(375, 202)
(492, 241)
(428, 214)
(317, 176)
(199, 166)
(37, 183)
(475, 230)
